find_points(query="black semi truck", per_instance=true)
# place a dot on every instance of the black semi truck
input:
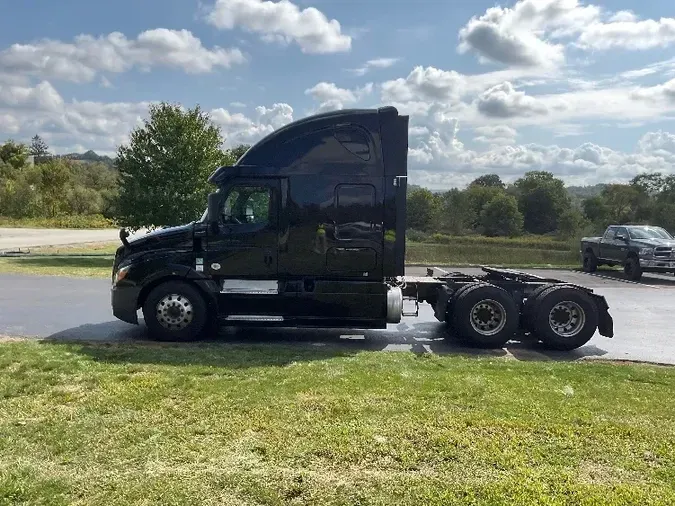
(307, 229)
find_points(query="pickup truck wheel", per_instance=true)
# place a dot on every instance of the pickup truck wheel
(565, 318)
(485, 316)
(590, 262)
(175, 311)
(632, 269)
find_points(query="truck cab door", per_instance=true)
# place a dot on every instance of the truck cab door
(606, 246)
(620, 245)
(244, 244)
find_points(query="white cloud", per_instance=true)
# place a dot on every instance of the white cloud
(9, 124)
(533, 33)
(332, 97)
(495, 135)
(282, 22)
(41, 97)
(503, 101)
(377, 63)
(516, 36)
(624, 32)
(81, 60)
(657, 94)
(25, 111)
(438, 166)
(238, 128)
(424, 86)
(660, 143)
(431, 95)
(237, 104)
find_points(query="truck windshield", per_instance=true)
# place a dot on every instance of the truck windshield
(649, 233)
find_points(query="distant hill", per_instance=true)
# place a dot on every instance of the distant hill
(585, 192)
(88, 157)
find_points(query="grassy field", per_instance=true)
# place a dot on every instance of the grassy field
(269, 424)
(489, 254)
(456, 251)
(43, 262)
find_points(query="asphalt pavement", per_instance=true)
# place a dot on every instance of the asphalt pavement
(79, 309)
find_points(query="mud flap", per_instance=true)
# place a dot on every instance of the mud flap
(605, 321)
(442, 303)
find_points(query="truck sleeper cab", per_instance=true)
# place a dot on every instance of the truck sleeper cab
(308, 229)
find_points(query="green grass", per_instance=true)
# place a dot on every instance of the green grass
(269, 424)
(42, 263)
(472, 253)
(69, 221)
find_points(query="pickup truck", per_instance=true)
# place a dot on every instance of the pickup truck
(638, 248)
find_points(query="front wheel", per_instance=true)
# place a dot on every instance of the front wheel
(632, 269)
(175, 311)
(564, 318)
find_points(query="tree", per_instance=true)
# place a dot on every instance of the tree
(622, 202)
(38, 148)
(477, 197)
(455, 212)
(596, 210)
(237, 152)
(542, 199)
(165, 167)
(14, 154)
(488, 181)
(570, 222)
(501, 217)
(54, 182)
(422, 207)
(651, 184)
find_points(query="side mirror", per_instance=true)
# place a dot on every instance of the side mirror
(212, 212)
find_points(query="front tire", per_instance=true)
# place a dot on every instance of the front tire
(175, 311)
(632, 269)
(485, 316)
(564, 318)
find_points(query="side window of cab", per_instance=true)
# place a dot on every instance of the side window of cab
(246, 205)
(354, 140)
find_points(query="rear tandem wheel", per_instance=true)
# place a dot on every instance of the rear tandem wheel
(483, 315)
(562, 317)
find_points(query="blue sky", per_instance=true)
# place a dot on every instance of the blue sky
(584, 89)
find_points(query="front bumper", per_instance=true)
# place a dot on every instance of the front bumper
(124, 301)
(658, 264)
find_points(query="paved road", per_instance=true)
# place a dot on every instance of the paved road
(66, 308)
(11, 238)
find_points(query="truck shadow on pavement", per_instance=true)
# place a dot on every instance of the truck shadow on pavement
(116, 341)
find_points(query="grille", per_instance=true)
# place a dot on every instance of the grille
(663, 252)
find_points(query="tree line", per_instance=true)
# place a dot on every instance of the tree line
(159, 178)
(539, 203)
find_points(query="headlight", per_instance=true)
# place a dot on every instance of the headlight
(646, 252)
(121, 273)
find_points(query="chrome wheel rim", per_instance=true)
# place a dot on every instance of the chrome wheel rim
(174, 311)
(567, 318)
(488, 317)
